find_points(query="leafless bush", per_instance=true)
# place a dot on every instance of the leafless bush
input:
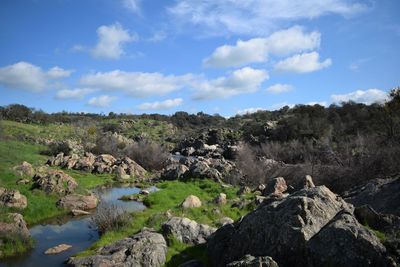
(110, 217)
(252, 168)
(150, 155)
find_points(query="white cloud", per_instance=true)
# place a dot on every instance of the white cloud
(284, 42)
(367, 97)
(26, 76)
(137, 84)
(254, 17)
(77, 93)
(166, 104)
(158, 36)
(279, 88)
(302, 63)
(245, 80)
(132, 5)
(111, 41)
(102, 101)
(248, 111)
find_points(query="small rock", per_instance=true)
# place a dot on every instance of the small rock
(144, 192)
(244, 190)
(308, 182)
(191, 202)
(25, 169)
(276, 186)
(23, 181)
(220, 199)
(225, 220)
(76, 212)
(251, 261)
(58, 249)
(186, 230)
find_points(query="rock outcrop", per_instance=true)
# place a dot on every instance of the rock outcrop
(54, 181)
(123, 168)
(24, 170)
(191, 201)
(288, 229)
(145, 249)
(78, 202)
(12, 198)
(187, 231)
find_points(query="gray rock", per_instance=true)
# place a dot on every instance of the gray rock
(191, 202)
(280, 230)
(220, 199)
(187, 231)
(57, 249)
(174, 172)
(308, 182)
(12, 198)
(145, 249)
(251, 261)
(54, 181)
(345, 242)
(225, 220)
(381, 194)
(13, 223)
(25, 169)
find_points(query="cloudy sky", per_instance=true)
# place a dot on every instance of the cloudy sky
(226, 56)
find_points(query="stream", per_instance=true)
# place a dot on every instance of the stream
(75, 231)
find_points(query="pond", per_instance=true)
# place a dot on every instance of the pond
(75, 231)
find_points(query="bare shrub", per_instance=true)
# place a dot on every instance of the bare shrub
(110, 217)
(150, 155)
(252, 168)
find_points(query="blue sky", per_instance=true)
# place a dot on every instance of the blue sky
(226, 57)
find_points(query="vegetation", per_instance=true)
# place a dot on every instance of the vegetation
(169, 198)
(109, 217)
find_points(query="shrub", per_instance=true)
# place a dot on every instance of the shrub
(150, 155)
(110, 217)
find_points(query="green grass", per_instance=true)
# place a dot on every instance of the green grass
(170, 196)
(179, 253)
(24, 131)
(15, 245)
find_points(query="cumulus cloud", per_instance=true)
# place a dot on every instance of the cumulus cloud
(367, 97)
(102, 101)
(137, 84)
(245, 80)
(26, 76)
(166, 104)
(321, 103)
(248, 111)
(281, 105)
(77, 93)
(255, 17)
(284, 42)
(111, 41)
(302, 63)
(279, 88)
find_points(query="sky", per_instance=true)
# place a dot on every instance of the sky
(227, 56)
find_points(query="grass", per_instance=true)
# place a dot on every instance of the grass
(169, 198)
(381, 235)
(15, 245)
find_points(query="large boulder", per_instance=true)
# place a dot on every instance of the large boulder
(345, 242)
(381, 194)
(146, 249)
(133, 168)
(24, 170)
(70, 161)
(54, 181)
(187, 231)
(251, 261)
(191, 201)
(78, 202)
(276, 187)
(280, 229)
(12, 198)
(13, 224)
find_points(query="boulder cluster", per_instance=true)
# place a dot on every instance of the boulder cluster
(123, 168)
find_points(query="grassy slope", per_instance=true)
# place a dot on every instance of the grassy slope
(170, 197)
